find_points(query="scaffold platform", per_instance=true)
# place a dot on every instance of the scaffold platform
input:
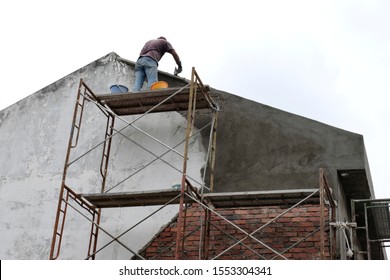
(218, 200)
(134, 103)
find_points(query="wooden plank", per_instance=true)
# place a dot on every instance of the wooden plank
(162, 108)
(218, 200)
(142, 94)
(141, 102)
(133, 199)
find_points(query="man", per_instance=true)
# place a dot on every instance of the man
(147, 63)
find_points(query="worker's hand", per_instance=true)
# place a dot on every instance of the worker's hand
(179, 68)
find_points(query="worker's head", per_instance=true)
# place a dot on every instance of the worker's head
(162, 37)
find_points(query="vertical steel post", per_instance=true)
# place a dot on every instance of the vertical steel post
(180, 225)
(103, 172)
(368, 242)
(206, 234)
(213, 149)
(354, 229)
(56, 242)
(322, 215)
(106, 149)
(94, 235)
(333, 255)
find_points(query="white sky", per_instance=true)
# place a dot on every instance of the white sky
(325, 60)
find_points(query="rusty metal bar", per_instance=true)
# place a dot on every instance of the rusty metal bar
(266, 224)
(90, 93)
(333, 206)
(233, 238)
(129, 229)
(105, 231)
(84, 93)
(106, 149)
(184, 236)
(159, 157)
(81, 201)
(235, 226)
(128, 124)
(79, 105)
(59, 229)
(325, 192)
(322, 215)
(213, 149)
(146, 165)
(193, 190)
(251, 234)
(206, 234)
(299, 241)
(54, 242)
(195, 84)
(56, 245)
(205, 92)
(162, 102)
(180, 225)
(99, 104)
(94, 234)
(118, 131)
(173, 244)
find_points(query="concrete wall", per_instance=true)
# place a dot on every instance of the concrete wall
(258, 148)
(34, 136)
(263, 148)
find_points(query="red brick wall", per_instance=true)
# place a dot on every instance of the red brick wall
(279, 235)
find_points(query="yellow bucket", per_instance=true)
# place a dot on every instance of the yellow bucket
(159, 85)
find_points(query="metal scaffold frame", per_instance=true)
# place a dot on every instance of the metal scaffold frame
(182, 99)
(369, 214)
(189, 98)
(208, 202)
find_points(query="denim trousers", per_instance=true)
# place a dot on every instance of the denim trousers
(145, 68)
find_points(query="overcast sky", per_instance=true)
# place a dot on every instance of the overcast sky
(325, 60)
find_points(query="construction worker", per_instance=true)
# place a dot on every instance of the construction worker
(147, 63)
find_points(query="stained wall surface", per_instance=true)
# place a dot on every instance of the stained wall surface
(34, 136)
(258, 148)
(263, 148)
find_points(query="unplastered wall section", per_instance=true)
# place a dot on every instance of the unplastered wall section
(294, 235)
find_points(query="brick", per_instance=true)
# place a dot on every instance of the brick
(241, 211)
(279, 234)
(299, 219)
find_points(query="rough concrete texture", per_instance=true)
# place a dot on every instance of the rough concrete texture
(34, 136)
(258, 148)
(263, 148)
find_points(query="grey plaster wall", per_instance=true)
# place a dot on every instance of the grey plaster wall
(34, 135)
(258, 148)
(263, 148)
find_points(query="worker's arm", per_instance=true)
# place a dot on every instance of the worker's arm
(177, 60)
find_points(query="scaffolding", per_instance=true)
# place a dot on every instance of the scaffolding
(371, 219)
(192, 97)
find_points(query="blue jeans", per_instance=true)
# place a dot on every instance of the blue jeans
(145, 68)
